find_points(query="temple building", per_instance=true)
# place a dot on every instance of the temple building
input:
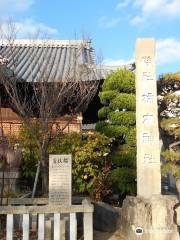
(52, 61)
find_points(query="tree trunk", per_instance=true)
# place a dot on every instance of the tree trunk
(44, 171)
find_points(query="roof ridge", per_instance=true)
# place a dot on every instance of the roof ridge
(45, 42)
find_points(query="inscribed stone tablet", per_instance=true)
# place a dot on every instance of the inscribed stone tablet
(148, 152)
(60, 179)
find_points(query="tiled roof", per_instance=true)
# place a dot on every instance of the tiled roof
(102, 71)
(52, 60)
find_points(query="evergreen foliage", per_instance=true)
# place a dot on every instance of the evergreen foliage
(123, 156)
(170, 122)
(122, 118)
(118, 122)
(171, 78)
(89, 169)
(171, 126)
(122, 179)
(125, 82)
(130, 138)
(113, 131)
(123, 101)
(103, 112)
(107, 96)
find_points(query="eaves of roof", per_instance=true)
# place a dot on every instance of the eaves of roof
(53, 60)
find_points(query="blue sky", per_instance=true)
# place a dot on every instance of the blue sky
(113, 25)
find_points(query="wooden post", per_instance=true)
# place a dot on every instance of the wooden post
(25, 226)
(57, 226)
(73, 226)
(88, 223)
(88, 226)
(9, 227)
(41, 227)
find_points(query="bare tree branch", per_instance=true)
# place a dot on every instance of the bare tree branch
(47, 96)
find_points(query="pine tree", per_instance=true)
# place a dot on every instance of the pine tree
(169, 100)
(117, 120)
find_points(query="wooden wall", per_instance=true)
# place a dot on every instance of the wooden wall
(10, 122)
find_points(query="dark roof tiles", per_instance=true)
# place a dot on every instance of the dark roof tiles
(52, 60)
(48, 60)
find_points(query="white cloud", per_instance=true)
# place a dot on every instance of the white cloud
(156, 8)
(137, 20)
(123, 4)
(118, 62)
(168, 51)
(9, 6)
(25, 28)
(105, 22)
(170, 7)
(29, 28)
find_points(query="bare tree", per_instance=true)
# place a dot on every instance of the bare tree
(44, 98)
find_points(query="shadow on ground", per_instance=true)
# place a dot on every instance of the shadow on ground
(107, 236)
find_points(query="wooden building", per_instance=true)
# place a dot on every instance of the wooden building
(29, 59)
(11, 123)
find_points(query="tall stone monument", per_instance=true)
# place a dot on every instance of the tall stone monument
(150, 215)
(148, 152)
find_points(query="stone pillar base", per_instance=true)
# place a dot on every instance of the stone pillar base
(150, 219)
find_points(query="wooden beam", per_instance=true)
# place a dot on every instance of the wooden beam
(45, 209)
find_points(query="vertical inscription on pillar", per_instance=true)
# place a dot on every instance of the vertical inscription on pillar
(148, 152)
(60, 180)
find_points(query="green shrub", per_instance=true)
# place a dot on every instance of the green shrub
(89, 169)
(172, 156)
(121, 80)
(89, 163)
(172, 163)
(112, 131)
(122, 118)
(168, 167)
(171, 126)
(123, 180)
(123, 156)
(107, 96)
(103, 112)
(66, 143)
(131, 137)
(30, 152)
(123, 101)
(88, 160)
(118, 115)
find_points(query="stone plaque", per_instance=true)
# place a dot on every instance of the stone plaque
(148, 152)
(60, 179)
